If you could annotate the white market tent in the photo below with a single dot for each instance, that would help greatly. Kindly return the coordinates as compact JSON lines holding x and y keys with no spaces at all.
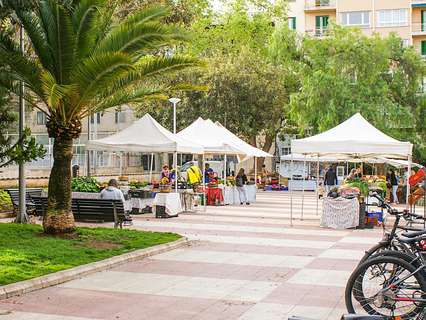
{"x":216,"y":139}
{"x":145,"y":135}
{"x":249,"y":150}
{"x":210,"y":137}
{"x":355,"y":138}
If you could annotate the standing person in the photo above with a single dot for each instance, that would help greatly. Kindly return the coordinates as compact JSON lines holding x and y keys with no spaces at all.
{"x":165,"y":173}
{"x":358,"y":173}
{"x":240,"y":181}
{"x":330,"y":179}
{"x":112,"y":192}
{"x":351,"y":175}
{"x":392,"y":181}
{"x":208,"y":173}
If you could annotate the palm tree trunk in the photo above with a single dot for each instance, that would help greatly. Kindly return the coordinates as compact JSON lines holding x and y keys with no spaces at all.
{"x":59,"y":217}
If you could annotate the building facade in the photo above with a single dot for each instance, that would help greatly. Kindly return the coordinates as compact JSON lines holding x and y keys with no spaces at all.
{"x":407,"y":18}
{"x":99,"y":125}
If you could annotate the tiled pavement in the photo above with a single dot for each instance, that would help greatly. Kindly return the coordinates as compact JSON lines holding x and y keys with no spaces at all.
{"x":247,"y":263}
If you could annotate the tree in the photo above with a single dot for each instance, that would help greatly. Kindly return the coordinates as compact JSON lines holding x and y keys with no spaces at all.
{"x":84,"y":61}
{"x":348,"y":72}
{"x":245,"y":90}
{"x":21,"y":150}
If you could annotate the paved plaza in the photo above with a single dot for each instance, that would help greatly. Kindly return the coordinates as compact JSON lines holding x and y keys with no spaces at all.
{"x":245,"y":263}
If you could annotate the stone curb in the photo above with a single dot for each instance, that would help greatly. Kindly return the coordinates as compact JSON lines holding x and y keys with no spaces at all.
{"x":19,"y":288}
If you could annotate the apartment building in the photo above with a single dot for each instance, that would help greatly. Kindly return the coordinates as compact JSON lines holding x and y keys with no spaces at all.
{"x":99,"y":125}
{"x":407,"y":18}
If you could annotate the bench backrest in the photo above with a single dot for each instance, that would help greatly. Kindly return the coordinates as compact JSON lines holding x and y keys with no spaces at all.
{"x":88,"y":209}
{"x":29,"y":193}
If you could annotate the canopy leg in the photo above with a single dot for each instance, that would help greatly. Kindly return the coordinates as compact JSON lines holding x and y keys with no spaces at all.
{"x":255,"y":172}
{"x":317,"y":188}
{"x":175,"y":159}
{"x":151,"y":165}
{"x":303,"y":186}
{"x":224,"y":172}
{"x":204,"y":185}
{"x":291,"y":190}
{"x":408,"y":182}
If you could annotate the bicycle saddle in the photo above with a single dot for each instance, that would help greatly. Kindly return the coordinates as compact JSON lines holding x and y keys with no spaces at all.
{"x":413,"y":234}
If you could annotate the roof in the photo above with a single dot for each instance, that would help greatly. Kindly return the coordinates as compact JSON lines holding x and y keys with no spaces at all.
{"x":145,"y":135}
{"x":210,"y":137}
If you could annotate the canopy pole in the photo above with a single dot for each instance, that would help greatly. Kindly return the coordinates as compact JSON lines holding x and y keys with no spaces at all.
{"x":204,"y":185}
{"x":175,"y":159}
{"x":255,"y":172}
{"x":224,"y":173}
{"x":317,"y":188}
{"x":291,"y":190}
{"x":408,"y":182}
{"x":150,"y":167}
{"x":303,"y":186}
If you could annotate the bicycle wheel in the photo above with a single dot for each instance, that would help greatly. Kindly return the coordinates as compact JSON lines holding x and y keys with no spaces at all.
{"x":389,"y":287}
{"x":382,"y":246}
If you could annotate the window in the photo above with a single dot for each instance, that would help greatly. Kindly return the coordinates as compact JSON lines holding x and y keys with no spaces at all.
{"x":120,"y":117}
{"x":392,"y":18}
{"x":97,"y":115}
{"x":423,"y":48}
{"x":321,"y":24}
{"x":405,"y":42}
{"x":292,"y":23}
{"x":146,"y":162}
{"x":356,"y":18}
{"x":41,"y":118}
{"x":285,"y":151}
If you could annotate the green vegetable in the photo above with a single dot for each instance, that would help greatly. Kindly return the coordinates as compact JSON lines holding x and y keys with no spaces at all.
{"x":5,"y":201}
{"x":361,"y":185}
{"x":85,"y":184}
{"x":138,"y":184}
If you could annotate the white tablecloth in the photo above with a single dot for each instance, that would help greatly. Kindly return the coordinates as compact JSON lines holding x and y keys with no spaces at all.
{"x":340,"y":213}
{"x":231,"y":196}
{"x":171,"y":201}
{"x":138,"y":203}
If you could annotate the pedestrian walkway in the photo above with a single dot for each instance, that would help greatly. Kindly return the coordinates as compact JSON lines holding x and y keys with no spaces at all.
{"x":246,"y":263}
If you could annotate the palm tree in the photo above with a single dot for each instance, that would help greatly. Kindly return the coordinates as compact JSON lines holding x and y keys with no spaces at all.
{"x":83,"y":61}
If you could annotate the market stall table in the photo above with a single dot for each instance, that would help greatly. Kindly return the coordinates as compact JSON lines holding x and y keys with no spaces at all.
{"x":214,"y":196}
{"x":340,"y":213}
{"x":231,"y":195}
{"x":170,"y":201}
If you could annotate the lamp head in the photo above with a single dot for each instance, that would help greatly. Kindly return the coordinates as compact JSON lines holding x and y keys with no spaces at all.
{"x":174,"y":100}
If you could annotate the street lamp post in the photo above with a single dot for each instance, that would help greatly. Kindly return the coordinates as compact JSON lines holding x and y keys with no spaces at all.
{"x":175,"y":101}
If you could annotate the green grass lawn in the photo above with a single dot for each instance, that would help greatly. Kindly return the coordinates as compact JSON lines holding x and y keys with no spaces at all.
{"x":25,"y":252}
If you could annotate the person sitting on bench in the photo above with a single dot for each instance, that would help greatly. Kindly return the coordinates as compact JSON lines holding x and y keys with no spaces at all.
{"x":112,"y":192}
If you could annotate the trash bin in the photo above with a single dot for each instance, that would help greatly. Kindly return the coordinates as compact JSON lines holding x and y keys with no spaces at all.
{"x":362,"y":208}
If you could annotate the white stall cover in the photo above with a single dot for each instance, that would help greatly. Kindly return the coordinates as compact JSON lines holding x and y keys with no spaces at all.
{"x":211,"y":138}
{"x":145,"y":135}
{"x":249,"y":150}
{"x":355,"y":137}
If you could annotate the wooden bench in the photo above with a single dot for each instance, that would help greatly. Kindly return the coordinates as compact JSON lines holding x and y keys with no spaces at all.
{"x":29,"y":194}
{"x":91,"y":210}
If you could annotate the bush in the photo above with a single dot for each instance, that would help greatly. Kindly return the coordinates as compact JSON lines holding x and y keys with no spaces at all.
{"x":5,"y":201}
{"x":85,"y":184}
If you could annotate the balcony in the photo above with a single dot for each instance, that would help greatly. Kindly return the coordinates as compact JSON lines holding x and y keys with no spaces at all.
{"x":320,"y":5}
{"x":318,"y":32}
{"x":418,"y":3}
{"x":418,"y":29}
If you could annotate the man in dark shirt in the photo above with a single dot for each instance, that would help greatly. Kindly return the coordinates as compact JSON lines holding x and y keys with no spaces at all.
{"x":330,"y":179}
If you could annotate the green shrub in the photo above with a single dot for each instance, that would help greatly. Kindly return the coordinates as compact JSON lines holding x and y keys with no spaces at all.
{"x":85,"y":184}
{"x":5,"y":201}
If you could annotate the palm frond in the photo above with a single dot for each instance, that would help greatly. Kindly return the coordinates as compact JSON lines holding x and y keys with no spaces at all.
{"x":22,"y":68}
{"x":96,"y":73}
{"x":85,"y":21}
{"x":57,"y":24}
{"x":152,"y":13}
{"x":37,"y":36}
{"x":134,"y":39}
{"x":55,"y":93}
